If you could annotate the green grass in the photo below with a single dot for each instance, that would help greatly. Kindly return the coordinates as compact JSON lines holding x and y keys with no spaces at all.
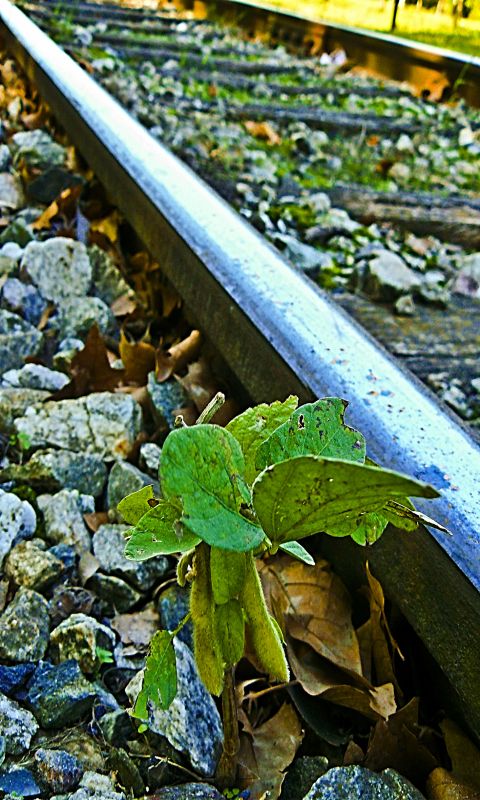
{"x":423,"y":25}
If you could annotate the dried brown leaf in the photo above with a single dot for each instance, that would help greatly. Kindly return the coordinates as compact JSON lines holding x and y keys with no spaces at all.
{"x":401,"y":743}
{"x":382,"y":641}
{"x":108,"y":226}
{"x":138,"y":359}
{"x":314,"y":607}
{"x":94,"y":520}
{"x":442,"y":785}
{"x":264,"y":758}
{"x":177,"y":357}
{"x":263,"y":130}
{"x":124,"y":305}
{"x":138,"y":628}
{"x":88,"y":565}
{"x":464,"y":755}
{"x":90,"y":370}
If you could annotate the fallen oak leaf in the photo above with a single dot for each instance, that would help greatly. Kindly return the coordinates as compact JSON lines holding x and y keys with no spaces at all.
{"x":177,"y":357}
{"x":138,"y":358}
{"x":90,"y":370}
{"x":264,"y":757}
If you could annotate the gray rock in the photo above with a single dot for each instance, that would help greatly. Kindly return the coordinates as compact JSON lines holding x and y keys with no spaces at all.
{"x":67,"y":350}
{"x":11,"y":251}
{"x":192,"y":723}
{"x":19,"y":782}
{"x":467,"y":281}
{"x":103,"y":424}
{"x":302,"y":775}
{"x":78,"y":637}
{"x":59,"y":695}
{"x":29,"y":565}
{"x":18,"y":521}
{"x":3,"y":749}
{"x":76,"y":317}
{"x":18,"y":339}
{"x":116,"y":727}
{"x":18,"y":726}
{"x":11,"y":192}
{"x":305,"y":257}
{"x":59,"y":268}
{"x":118,"y":594}
{"x":5,"y":157}
{"x":34,"y":376}
{"x":320,"y":202}
{"x":24,"y":628}
{"x":404,"y":306}
{"x":108,"y":283}
{"x":94,"y":786}
{"x":149,"y":458}
{"x":23,"y":299}
{"x":52,"y":470}
{"x":63,"y":514}
{"x":60,"y":770}
{"x":124,"y":479}
{"x":14,"y":403}
{"x":173,"y":605}
{"x":354,"y":783}
{"x":166,"y":397}
{"x":400,"y":172}
{"x":108,"y":547}
{"x":387,"y":276}
{"x":37,"y":149}
{"x":189,"y":791}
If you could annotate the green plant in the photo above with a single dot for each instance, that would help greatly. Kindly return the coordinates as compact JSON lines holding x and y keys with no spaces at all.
{"x":274,"y":475}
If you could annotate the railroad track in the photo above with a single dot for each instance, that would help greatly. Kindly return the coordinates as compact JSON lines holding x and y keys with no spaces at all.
{"x":280,"y":334}
{"x":196,"y":76}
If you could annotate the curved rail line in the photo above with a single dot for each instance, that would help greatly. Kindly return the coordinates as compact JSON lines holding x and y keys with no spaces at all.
{"x":281,"y":334}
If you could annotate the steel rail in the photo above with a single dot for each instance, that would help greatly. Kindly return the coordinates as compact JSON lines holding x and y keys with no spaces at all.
{"x":419,"y":64}
{"x":281,"y":334}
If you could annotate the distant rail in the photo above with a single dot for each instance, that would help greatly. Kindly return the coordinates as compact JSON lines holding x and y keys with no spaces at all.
{"x":389,"y":56}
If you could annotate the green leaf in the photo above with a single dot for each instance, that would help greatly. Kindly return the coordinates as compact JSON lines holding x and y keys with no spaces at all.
{"x":202,"y":467}
{"x":135,"y":505}
{"x":296,"y":550}
{"x":407,"y":517}
{"x":160,"y":676}
{"x":230,"y":630}
{"x":315,"y":429}
{"x":255,"y":425}
{"x":370,"y":528}
{"x":227,"y":572}
{"x":306,"y":495}
{"x":159,"y":532}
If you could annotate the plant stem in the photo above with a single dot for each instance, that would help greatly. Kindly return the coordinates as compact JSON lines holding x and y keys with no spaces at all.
{"x":227,"y":767}
{"x":211,"y":409}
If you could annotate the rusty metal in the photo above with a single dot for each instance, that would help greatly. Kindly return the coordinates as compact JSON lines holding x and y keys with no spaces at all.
{"x":281,"y":334}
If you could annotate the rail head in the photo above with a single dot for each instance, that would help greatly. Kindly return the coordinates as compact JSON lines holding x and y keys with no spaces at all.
{"x":280,"y":334}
